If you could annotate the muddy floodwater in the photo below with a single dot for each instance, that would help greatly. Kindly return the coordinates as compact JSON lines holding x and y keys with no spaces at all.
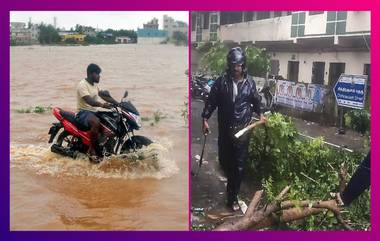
{"x":51,"y":192}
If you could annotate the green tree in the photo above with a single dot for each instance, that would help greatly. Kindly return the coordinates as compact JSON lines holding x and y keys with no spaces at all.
{"x":215,"y":61}
{"x":48,"y":34}
{"x":179,"y":38}
{"x":127,"y":33}
{"x":79,"y":28}
{"x":258,"y":62}
{"x":94,"y":40}
{"x":278,"y":157}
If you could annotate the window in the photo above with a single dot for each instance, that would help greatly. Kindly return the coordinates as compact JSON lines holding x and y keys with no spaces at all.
{"x":198,"y":29}
{"x":193,"y":22}
{"x":277,"y":14}
{"x":315,"y":12}
{"x":293,"y":69}
{"x":274,"y":67}
{"x":336,"y":69}
{"x":248,"y":16}
{"x":230,"y":17}
{"x":206,"y":18}
{"x":318,"y":73}
{"x":298,"y":24}
{"x":223,"y":18}
{"x":214,"y":26}
{"x":236,"y":17}
{"x":214,"y":18}
{"x":262,"y":15}
{"x":336,"y":22}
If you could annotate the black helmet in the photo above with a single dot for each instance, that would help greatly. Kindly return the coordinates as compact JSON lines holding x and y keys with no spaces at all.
{"x":236,"y":56}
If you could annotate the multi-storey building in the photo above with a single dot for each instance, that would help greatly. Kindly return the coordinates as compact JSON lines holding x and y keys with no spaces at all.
{"x":304,"y":46}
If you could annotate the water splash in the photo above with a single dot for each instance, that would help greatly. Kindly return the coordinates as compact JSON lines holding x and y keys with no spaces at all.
{"x":149,"y":162}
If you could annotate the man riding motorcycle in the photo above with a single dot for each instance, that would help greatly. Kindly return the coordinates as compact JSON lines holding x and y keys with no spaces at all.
{"x":88,"y":93}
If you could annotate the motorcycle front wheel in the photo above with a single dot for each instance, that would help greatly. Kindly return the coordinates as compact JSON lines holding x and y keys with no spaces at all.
{"x":135,"y":142}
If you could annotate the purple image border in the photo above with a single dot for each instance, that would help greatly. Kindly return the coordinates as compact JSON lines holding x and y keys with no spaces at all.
{"x":119,"y":5}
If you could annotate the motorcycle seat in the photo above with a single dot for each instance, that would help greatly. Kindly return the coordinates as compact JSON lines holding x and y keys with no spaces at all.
{"x":70,"y":116}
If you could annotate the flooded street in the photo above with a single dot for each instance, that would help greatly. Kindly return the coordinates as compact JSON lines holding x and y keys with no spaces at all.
{"x":50,"y":192}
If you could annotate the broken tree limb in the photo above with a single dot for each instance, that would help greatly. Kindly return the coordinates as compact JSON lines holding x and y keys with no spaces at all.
{"x":280,"y":211}
{"x":251,"y":126}
{"x":342,"y":178}
{"x":255,"y":201}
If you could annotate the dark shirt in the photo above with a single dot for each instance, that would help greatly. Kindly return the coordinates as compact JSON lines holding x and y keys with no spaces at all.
{"x":232,"y":114}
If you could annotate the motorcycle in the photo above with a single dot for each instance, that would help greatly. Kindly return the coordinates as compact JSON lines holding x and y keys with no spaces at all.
{"x":116,"y":131}
{"x":201,"y":86}
{"x":266,"y":95}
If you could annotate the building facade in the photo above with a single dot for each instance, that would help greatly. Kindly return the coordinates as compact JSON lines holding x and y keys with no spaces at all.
{"x":20,"y":33}
{"x":123,"y":40}
{"x":309,"y":47}
{"x":150,"y":34}
{"x":152,"y":24}
{"x":171,"y":26}
{"x":75,"y":37}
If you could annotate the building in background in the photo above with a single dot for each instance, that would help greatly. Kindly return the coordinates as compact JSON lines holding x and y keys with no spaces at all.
{"x":63,"y":33}
{"x":20,"y":33}
{"x":171,"y":26}
{"x":89,"y":31}
{"x":150,"y":34}
{"x":79,"y":38}
{"x":305,"y":46}
{"x":152,"y":24}
{"x":123,"y":40}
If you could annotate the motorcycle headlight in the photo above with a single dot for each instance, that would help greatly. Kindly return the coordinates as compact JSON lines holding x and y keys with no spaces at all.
{"x":138,"y":121}
{"x":137,"y":118}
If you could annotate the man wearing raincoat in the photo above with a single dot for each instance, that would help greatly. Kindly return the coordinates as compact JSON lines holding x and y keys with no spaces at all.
{"x":236,"y":97}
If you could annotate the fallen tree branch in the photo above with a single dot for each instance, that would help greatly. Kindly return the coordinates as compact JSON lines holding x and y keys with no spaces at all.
{"x":280,"y":212}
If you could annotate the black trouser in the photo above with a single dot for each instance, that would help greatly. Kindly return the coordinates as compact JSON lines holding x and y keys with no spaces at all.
{"x":232,"y":155}
{"x":358,"y":183}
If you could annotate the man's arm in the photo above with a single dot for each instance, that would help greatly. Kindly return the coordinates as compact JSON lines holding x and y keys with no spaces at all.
{"x":212,"y":100}
{"x":210,"y":105}
{"x":105,"y":95}
{"x":91,"y":101}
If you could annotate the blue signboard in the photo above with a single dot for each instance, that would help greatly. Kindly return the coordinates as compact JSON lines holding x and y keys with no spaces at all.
{"x":350,"y":91}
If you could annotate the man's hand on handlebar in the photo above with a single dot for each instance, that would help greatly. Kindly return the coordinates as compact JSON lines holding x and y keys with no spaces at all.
{"x":107,"y":105}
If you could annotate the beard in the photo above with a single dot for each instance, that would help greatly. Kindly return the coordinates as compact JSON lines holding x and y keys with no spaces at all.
{"x":95,"y":80}
{"x":237,"y":74}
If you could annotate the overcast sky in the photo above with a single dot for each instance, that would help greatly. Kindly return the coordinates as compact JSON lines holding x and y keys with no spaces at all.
{"x":102,"y":20}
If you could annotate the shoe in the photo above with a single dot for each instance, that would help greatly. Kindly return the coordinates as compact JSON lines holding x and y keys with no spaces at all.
{"x":234,"y":205}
